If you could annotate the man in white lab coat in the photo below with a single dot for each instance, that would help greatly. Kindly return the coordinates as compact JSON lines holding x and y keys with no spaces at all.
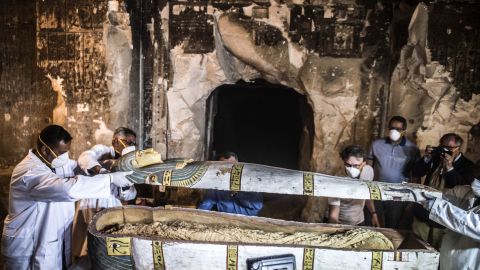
{"x":98,"y":160}
{"x":37,"y":230}
{"x":460,"y":247}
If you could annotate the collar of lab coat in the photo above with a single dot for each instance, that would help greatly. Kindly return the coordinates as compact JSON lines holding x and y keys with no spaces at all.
{"x":36,"y":159}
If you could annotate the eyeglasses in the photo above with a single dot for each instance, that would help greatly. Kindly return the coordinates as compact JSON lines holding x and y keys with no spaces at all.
{"x":352,"y":165}
{"x":450,"y":147}
{"x":127,"y":142}
{"x":397,"y":129}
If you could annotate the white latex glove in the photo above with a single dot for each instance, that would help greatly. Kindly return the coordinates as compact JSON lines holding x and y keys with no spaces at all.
{"x":119,"y":179}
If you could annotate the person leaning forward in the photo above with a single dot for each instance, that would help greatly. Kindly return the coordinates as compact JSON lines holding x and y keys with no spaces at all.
{"x":99,"y":160}
{"x":36,"y":233}
{"x":350,"y":211}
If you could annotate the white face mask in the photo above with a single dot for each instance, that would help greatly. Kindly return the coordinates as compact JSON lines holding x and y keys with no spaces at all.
{"x":394,"y":135}
{"x":61,"y":160}
{"x":128,"y":149}
{"x":352,"y":172}
{"x":476,"y":187}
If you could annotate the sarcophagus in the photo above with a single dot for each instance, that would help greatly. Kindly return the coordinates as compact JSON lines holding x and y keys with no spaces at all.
{"x":260,"y":178}
{"x":156,"y":238}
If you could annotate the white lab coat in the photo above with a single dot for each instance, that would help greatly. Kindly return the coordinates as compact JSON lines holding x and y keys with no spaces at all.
{"x":461,"y":243}
{"x":90,"y":159}
{"x":87,"y":208}
{"x":37,"y":230}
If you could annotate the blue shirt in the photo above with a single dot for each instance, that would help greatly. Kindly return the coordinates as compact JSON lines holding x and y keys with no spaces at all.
{"x":393,"y":162}
{"x":244,"y":203}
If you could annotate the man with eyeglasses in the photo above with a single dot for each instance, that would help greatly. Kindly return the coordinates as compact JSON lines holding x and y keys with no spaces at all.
{"x":99,"y":160}
{"x":444,"y":167}
{"x":393,"y":158}
{"x":43,"y":190}
{"x":350,"y":211}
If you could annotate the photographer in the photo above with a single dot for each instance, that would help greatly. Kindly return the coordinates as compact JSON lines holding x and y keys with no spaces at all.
{"x":444,"y":167}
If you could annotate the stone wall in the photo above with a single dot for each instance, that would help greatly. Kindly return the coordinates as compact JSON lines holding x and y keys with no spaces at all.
{"x":78,"y":63}
{"x":325,"y":52}
{"x":64,"y":62}
{"x":428,"y":90}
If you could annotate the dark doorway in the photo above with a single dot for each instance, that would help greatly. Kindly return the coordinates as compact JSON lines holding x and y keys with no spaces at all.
{"x":259,"y":121}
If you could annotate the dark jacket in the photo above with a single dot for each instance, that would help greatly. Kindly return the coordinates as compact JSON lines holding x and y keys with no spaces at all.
{"x":462,"y":174}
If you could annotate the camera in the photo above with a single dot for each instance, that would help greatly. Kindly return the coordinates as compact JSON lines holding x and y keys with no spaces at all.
{"x":440,"y":151}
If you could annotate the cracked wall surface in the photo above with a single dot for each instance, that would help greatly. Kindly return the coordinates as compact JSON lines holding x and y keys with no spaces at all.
{"x":424,"y":91}
{"x":278,"y":48}
{"x":56,"y":68}
{"x":72,"y":64}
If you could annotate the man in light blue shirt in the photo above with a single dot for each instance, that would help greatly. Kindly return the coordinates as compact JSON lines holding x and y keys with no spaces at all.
{"x":393,"y":158}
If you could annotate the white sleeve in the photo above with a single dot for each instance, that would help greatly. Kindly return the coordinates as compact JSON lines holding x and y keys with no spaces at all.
{"x":90,"y":158}
{"x":333,"y":201}
{"x":456,"y":219}
{"x":47,"y":186}
{"x":367,"y":173}
{"x":127,"y":195}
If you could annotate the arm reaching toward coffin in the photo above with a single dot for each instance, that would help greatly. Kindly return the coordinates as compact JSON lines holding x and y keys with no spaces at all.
{"x":89,"y":160}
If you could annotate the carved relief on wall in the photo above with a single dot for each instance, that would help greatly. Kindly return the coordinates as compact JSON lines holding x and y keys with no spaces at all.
{"x":330,"y":30}
{"x":453,"y":42}
{"x":70,"y":49}
{"x":191,"y":25}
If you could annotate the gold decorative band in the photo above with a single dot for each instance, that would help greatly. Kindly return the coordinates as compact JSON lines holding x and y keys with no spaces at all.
{"x":158,"y":260}
{"x":308,"y":258}
{"x":375,"y":193}
{"x":118,"y":246}
{"x":167,"y":178}
{"x":397,"y":256}
{"x":236,"y":177}
{"x":307,"y":184}
{"x":377,"y":260}
{"x":232,"y":257}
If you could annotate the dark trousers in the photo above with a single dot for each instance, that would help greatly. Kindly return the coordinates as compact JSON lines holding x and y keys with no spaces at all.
{"x":392,"y":213}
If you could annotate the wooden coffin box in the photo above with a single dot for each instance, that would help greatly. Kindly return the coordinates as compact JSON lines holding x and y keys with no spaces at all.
{"x":117,"y":251}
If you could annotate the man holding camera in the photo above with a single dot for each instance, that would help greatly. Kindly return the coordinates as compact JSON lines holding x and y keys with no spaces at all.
{"x":444,"y":167}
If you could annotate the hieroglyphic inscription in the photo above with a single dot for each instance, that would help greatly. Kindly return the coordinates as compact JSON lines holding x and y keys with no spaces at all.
{"x":232,"y":257}
{"x":307,"y":184}
{"x":236,"y":177}
{"x":375,"y":193}
{"x":118,"y":246}
{"x":377,"y":259}
{"x":167,"y":178}
{"x":158,"y":260}
{"x":308,"y":258}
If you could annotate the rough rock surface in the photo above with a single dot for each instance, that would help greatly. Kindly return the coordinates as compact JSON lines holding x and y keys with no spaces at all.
{"x":424,"y":92}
